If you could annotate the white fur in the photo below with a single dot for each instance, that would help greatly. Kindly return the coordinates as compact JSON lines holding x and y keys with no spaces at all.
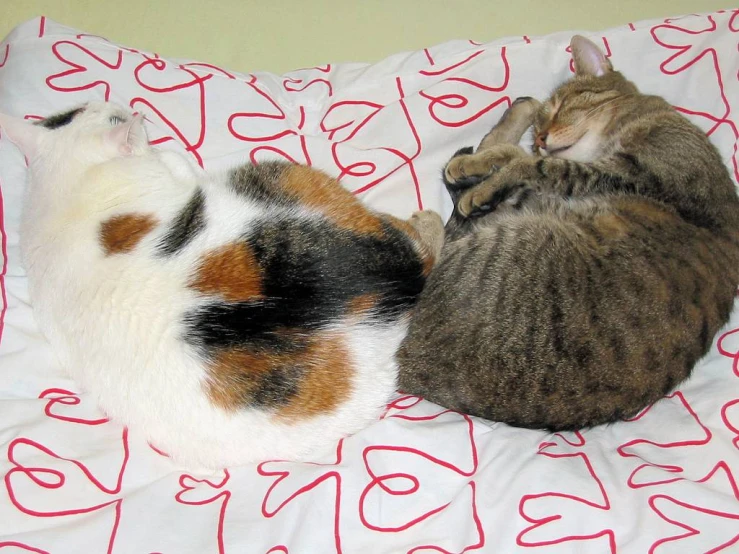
{"x":586,"y":149}
{"x":115,"y":321}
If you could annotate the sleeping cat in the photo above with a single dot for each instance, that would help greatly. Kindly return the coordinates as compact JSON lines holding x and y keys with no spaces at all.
{"x":580,"y":284}
{"x":229,"y":318}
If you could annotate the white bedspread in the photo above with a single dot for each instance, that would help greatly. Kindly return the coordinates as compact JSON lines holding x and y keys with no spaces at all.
{"x":422,"y":479}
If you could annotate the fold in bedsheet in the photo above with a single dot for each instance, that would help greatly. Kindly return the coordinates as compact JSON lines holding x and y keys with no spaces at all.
{"x":421,"y":479}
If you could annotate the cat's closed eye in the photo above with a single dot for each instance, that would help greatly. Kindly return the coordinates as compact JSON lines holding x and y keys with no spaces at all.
{"x":115,"y":120}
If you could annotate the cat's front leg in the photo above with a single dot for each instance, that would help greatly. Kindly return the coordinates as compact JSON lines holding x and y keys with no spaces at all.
{"x":506,"y":185}
{"x":534,"y":175}
{"x":467,"y":167}
{"x":474,"y":168}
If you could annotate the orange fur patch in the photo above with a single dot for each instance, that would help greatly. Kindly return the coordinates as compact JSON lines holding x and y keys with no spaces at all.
{"x":327,"y":382}
{"x":236,"y":375}
{"x":232,"y":271}
{"x":317,"y":190}
{"x":361,"y":304}
{"x":121,"y":233}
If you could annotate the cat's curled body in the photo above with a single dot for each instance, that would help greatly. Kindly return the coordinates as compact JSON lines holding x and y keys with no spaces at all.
{"x":579,"y":285}
{"x":229,"y":318}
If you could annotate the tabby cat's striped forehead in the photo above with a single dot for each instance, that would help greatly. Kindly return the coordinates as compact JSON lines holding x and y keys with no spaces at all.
{"x":589,"y":88}
{"x":581,"y":95}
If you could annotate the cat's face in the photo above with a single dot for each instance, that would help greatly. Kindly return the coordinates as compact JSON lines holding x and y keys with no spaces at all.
{"x":105,"y":130}
{"x":84,"y":136}
{"x":571,"y":123}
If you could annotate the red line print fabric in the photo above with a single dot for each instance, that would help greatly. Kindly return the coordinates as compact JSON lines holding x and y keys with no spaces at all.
{"x":421,"y":479}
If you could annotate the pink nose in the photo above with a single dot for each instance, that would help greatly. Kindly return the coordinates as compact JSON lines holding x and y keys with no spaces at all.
{"x":541,"y":140}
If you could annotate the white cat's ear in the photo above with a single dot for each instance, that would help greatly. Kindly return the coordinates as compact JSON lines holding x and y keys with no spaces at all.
{"x":130,"y":136}
{"x":25,"y":135}
{"x":589,"y":60}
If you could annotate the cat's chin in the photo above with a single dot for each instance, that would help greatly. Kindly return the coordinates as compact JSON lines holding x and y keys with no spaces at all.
{"x":585,"y":150}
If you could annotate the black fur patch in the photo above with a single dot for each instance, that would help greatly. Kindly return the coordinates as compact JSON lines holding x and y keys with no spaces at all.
{"x":260,"y":183}
{"x":310,"y":272}
{"x":278,"y":386}
{"x":61,"y":119}
{"x":188,"y":223}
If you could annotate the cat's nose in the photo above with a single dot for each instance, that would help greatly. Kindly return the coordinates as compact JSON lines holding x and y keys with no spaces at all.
{"x":541,"y":140}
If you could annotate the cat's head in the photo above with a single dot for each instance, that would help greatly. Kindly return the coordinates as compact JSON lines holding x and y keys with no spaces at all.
{"x":88,"y":135}
{"x":571,"y":123}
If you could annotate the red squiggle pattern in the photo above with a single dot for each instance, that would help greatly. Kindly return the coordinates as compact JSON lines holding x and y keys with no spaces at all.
{"x":54,"y":479}
{"x":687,"y":54}
{"x":189,"y":483}
{"x":282,"y":475}
{"x":571,"y":501}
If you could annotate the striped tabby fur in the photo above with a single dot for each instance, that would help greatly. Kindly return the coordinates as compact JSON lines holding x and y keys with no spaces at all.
{"x":580,"y":284}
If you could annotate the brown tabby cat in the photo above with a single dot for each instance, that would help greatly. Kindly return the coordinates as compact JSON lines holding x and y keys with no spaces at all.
{"x":578,"y":285}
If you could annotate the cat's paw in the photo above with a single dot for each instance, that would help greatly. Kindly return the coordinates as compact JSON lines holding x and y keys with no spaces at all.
{"x":453,"y":177}
{"x":525,"y":107}
{"x":507,"y":188}
{"x":468,"y":170}
{"x":430,"y":227}
{"x":477,"y":201}
{"x":465,"y":171}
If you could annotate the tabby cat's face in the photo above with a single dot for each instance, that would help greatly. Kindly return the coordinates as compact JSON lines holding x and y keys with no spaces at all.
{"x":572,"y":123}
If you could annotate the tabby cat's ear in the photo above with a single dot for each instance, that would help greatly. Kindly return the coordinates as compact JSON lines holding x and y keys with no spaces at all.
{"x":129,"y":137}
{"x":23,"y":134}
{"x":589,"y":60}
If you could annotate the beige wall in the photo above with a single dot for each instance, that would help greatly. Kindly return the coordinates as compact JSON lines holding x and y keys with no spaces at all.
{"x":279,"y":35}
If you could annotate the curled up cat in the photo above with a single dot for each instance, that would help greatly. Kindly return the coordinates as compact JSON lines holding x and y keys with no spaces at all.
{"x":579,"y":284}
{"x":228,"y":318}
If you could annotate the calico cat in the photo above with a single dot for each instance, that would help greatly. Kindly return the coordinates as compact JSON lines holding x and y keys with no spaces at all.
{"x":229,"y":318}
{"x":580,"y":284}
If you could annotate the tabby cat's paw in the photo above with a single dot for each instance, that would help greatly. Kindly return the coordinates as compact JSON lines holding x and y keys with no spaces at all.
{"x":464,"y":171}
{"x":430,"y":227}
{"x":471,"y":169}
{"x":454,"y":180}
{"x":502,"y":189}
{"x":527,"y":106}
{"x":478,"y":201}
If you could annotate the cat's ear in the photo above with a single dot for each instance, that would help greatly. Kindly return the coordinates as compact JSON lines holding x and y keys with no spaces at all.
{"x":23,"y":134}
{"x":589,"y":60}
{"x":129,"y":137}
